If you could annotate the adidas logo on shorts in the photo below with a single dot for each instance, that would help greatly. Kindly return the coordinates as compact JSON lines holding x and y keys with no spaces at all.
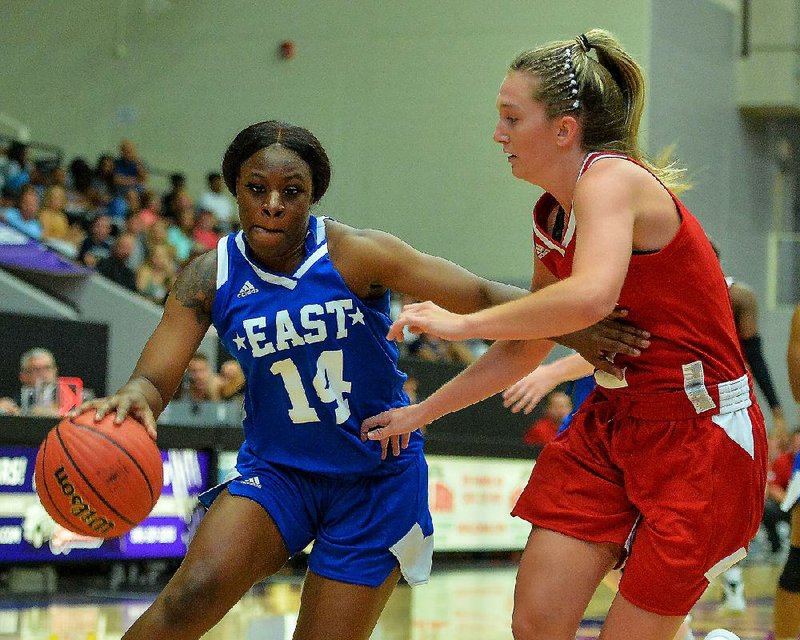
{"x":253,"y":482}
{"x":246,"y":290}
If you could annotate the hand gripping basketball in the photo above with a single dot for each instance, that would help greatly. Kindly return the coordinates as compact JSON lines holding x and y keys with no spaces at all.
{"x":98,"y":478}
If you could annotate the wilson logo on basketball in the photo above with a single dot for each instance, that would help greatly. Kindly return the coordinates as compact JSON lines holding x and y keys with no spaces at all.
{"x":80,"y":508}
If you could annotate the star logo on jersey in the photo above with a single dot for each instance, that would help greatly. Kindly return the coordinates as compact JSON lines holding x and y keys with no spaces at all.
{"x":357,"y":317}
{"x":239,"y":340}
{"x":246,"y":290}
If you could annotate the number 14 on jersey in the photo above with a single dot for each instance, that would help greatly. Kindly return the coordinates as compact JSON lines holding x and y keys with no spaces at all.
{"x":329,"y":384}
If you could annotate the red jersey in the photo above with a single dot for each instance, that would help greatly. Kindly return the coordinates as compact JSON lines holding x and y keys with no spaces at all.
{"x":780,"y":471}
{"x":678,"y":294}
{"x":541,"y":432}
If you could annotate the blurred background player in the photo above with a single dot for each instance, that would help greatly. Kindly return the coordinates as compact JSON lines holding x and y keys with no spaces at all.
{"x":543,"y":430}
{"x":786,"y":611}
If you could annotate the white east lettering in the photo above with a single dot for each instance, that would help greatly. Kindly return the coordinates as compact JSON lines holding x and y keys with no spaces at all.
{"x":256,"y":337}
{"x":339,"y":307}
{"x":312,"y":319}
{"x":313,"y":324}
{"x":285,"y":332}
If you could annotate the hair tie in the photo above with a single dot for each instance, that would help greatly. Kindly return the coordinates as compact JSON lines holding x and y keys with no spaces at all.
{"x":583,"y":41}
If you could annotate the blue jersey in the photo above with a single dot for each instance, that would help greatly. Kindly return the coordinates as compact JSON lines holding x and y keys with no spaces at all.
{"x":578,"y":390}
{"x":792,"y":496}
{"x":316,"y":360}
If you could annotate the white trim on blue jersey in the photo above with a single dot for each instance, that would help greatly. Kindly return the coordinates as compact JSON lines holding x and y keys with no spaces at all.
{"x":289,"y":282}
{"x":222,"y":261}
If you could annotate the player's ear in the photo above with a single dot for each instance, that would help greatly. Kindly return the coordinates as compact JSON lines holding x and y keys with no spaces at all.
{"x":567,"y":130}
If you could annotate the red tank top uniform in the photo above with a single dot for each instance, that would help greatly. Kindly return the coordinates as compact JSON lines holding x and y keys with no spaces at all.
{"x":671,"y":462}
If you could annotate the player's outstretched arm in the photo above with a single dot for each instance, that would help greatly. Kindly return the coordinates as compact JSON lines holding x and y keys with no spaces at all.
{"x":375,"y":260}
{"x":186,"y":318}
{"x":503,"y":364}
{"x":526,"y":393}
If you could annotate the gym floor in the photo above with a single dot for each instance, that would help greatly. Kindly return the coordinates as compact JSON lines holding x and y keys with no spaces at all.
{"x":463,"y":602}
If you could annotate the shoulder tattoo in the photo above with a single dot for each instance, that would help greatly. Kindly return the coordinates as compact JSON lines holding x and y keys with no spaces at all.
{"x":196,"y":286}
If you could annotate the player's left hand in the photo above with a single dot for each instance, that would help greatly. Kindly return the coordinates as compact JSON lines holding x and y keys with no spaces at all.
{"x":427,"y":317}
{"x":395,"y":426}
{"x":526,"y":393}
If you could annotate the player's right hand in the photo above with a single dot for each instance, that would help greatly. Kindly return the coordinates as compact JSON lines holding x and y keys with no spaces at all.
{"x":387,"y":426}
{"x":125,"y":402}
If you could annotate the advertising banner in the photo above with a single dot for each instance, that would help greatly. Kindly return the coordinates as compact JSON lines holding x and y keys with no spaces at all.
{"x":29,"y":534}
{"x":471,"y":500}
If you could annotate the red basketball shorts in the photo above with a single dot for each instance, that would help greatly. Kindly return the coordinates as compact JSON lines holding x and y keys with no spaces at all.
{"x":684,"y":495}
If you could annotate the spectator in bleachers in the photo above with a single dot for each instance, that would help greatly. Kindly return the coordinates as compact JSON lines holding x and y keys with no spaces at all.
{"x":17,"y":171}
{"x":79,"y":183}
{"x":115,"y":266}
{"x":25,"y":216}
{"x":199,"y":382}
{"x":136,"y":227}
{"x":38,"y":377}
{"x":180,"y":235}
{"x":156,"y":276}
{"x":204,"y":232}
{"x":133,"y":202}
{"x":151,"y":208}
{"x":102,"y":188}
{"x":217,"y":201}
{"x":157,"y":235}
{"x":121,"y":206}
{"x":56,"y":229}
{"x":54,"y":174}
{"x":230,"y":381}
{"x":168,"y":210}
{"x":7,"y":201}
{"x":129,"y":170}
{"x":96,"y":245}
{"x":40,"y":176}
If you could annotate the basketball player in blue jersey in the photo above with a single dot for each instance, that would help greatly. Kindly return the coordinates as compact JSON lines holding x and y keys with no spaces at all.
{"x":303,"y":304}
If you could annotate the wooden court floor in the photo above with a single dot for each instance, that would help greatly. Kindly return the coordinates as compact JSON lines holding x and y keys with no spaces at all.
{"x":457,"y":604}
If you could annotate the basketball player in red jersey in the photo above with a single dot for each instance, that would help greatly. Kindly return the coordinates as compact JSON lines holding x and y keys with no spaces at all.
{"x":663,"y":469}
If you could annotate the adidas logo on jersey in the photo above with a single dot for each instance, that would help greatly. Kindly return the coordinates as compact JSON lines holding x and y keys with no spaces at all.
{"x":253,"y":482}
{"x":541,"y":251}
{"x":246,"y":290}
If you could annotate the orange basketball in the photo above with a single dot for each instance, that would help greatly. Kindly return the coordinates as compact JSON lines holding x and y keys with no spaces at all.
{"x":97,"y":478}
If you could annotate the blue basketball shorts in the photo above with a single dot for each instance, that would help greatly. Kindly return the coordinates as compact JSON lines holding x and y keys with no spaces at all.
{"x":362,"y":527}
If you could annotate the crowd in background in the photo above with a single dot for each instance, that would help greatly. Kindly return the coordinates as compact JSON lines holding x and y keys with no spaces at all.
{"x":108,"y":217}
